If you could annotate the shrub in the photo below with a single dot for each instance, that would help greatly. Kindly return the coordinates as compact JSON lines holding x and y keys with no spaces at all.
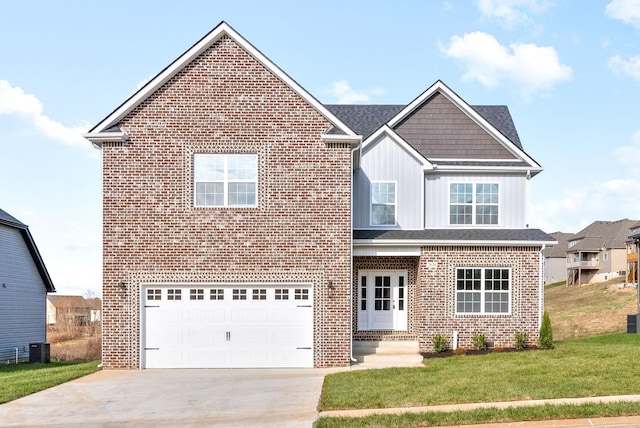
{"x":545,"y":341}
{"x":479,"y":341}
{"x":521,"y":340}
{"x":439,"y":343}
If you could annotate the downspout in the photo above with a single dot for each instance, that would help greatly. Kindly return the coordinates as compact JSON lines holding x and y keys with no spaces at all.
{"x":351,"y":294}
{"x":541,"y":287}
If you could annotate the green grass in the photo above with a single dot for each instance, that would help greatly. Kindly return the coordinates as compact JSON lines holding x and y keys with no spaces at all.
{"x":587,"y":367}
{"x":19,"y":380}
{"x":555,"y":284}
{"x":484,"y":416}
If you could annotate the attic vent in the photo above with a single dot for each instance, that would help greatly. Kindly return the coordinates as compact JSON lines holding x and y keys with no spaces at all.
{"x":338,"y":145}
{"x":113,"y":144}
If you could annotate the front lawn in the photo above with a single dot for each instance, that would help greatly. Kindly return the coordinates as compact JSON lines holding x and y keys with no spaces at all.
{"x":19,"y":380}
{"x":587,"y":367}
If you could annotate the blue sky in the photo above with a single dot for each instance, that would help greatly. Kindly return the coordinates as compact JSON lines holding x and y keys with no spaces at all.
{"x":569,"y":72}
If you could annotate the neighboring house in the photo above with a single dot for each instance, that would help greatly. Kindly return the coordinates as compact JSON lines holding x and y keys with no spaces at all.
{"x":632,"y":254}
{"x":95,"y":305}
{"x":555,"y":258}
{"x":248,"y":225}
{"x":71,"y":310}
{"x":24,"y":283}
{"x":598,"y":252}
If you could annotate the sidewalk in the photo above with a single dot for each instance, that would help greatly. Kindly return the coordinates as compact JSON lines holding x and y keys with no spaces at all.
{"x":600,"y":422}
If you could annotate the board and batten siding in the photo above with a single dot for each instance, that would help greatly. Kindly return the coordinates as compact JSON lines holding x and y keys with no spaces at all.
{"x":385,"y":160}
{"x":23,"y":297}
{"x":513,"y":199}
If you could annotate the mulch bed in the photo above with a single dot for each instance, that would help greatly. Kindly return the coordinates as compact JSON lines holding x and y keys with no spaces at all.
{"x":451,"y":353}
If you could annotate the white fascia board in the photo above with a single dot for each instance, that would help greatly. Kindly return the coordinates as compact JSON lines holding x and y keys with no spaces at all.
{"x":388,"y":251}
{"x":492,"y":168}
{"x":444,"y":242}
{"x":223,"y":29}
{"x":385,"y":130}
{"x":439,"y":86}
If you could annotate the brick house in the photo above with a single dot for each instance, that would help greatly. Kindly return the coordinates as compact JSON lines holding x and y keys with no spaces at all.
{"x":248,"y":225}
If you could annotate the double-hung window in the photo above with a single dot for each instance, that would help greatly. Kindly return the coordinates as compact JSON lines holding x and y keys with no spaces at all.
{"x":474,"y":203}
{"x":383,"y":204}
{"x":225,"y":180}
{"x":482,"y":290}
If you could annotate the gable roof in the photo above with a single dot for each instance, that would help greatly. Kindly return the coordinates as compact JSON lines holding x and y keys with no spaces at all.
{"x":602,"y":234}
{"x":69,"y":302}
{"x":559,"y":250}
{"x":495,"y":121}
{"x":10,"y":221}
{"x":106,"y":130}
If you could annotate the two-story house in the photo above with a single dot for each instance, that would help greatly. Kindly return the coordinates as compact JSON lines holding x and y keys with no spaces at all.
{"x":598,"y":252}
{"x":246,"y":224}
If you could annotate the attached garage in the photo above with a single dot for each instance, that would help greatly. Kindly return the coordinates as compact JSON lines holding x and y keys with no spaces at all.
{"x":227,"y":326}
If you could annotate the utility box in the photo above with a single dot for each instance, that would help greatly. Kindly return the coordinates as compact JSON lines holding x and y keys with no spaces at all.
{"x":39,"y":353}
{"x":632,"y":323}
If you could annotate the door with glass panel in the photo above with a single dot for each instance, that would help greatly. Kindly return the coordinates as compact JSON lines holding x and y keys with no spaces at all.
{"x":382,"y":300}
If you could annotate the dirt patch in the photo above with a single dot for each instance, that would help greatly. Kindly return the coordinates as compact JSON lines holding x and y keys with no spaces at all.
{"x":451,"y":353}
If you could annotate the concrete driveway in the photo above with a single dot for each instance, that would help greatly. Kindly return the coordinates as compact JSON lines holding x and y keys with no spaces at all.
{"x":169,"y":398}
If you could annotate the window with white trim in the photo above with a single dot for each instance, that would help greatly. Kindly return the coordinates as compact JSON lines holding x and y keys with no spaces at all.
{"x":483,"y":290}
{"x":474,"y":203}
{"x":383,"y":204}
{"x":225,"y":180}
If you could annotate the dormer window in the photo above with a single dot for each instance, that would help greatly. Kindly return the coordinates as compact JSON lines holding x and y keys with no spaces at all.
{"x":474,"y":203}
{"x":383,"y":203}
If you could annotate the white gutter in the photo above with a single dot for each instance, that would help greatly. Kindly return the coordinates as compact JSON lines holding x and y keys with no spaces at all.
{"x":99,"y":138}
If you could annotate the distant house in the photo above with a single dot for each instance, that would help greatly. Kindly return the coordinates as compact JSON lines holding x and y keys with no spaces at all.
{"x":598,"y":252}
{"x":555,"y":258}
{"x":72,"y":310}
{"x":24,"y":284}
{"x":632,"y":254}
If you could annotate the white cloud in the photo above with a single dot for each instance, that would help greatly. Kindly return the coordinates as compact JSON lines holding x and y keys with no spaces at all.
{"x":344,"y":94}
{"x":629,"y":154}
{"x":625,"y":10}
{"x":511,"y":12}
{"x":14,"y":101}
{"x":630,"y":67}
{"x":533,"y":69}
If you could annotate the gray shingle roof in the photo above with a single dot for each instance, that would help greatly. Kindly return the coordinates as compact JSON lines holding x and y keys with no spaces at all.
{"x":462,"y":235}
{"x":366,"y":119}
{"x":560,"y":250}
{"x":603,"y":234}
{"x":8,"y":219}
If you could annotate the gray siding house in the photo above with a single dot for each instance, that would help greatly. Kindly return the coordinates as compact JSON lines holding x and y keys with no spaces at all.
{"x":555,"y":258}
{"x":24,"y":283}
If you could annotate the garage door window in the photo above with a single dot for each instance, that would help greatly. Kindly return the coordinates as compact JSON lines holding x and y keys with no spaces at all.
{"x":260,"y":294}
{"x":282,"y":294}
{"x":239,"y":294}
{"x":216,"y":294}
{"x":174,"y":294}
{"x":301,"y":294}
{"x":154,"y":294}
{"x":196,"y":294}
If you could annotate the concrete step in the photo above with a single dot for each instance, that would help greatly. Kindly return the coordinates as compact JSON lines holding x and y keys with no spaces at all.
{"x":369,"y":347}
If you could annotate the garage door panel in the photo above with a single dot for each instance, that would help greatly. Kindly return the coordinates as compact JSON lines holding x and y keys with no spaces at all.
{"x":218,"y":326}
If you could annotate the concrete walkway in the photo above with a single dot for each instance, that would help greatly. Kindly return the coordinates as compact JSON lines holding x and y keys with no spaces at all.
{"x":625,"y":421}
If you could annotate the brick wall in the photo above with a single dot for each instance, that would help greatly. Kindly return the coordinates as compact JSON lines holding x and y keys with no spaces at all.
{"x":225,"y":102}
{"x":431,"y":295}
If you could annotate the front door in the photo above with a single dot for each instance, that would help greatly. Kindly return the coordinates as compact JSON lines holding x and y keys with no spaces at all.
{"x":382,"y":300}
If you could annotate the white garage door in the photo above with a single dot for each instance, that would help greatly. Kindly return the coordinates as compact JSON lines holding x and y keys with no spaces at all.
{"x":195,"y":326}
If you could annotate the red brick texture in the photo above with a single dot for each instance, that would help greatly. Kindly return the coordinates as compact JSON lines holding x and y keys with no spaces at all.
{"x":431,"y":295}
{"x":300,"y":231}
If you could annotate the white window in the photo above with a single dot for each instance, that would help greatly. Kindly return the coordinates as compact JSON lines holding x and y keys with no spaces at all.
{"x":383,"y":204}
{"x":225,"y":180}
{"x":483,"y":290}
{"x":605,"y":257}
{"x":474,"y":203}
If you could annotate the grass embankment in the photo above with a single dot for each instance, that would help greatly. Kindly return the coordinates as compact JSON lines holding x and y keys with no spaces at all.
{"x":589,"y":310}
{"x":19,"y":380}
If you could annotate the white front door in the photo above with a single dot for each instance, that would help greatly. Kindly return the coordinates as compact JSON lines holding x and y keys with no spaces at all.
{"x":382,"y":300}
